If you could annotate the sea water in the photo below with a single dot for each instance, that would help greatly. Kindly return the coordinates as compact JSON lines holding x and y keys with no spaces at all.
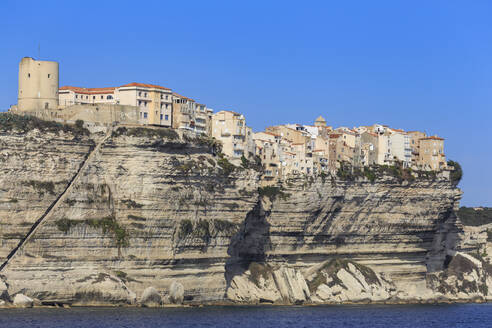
{"x":366,"y":316}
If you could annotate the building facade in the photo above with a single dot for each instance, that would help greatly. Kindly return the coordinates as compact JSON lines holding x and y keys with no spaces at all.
{"x":230,"y":129}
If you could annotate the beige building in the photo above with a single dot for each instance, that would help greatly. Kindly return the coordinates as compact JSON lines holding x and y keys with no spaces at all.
{"x":268,"y":149}
{"x":369,"y":150}
{"x":190,"y":115}
{"x":230,"y":128}
{"x":38,"y":86}
{"x":154,"y":102}
{"x":415,"y":137}
{"x":290,"y":134}
{"x":431,"y":156}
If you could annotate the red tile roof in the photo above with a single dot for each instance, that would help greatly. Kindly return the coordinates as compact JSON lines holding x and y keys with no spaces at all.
{"x":180,"y":96}
{"x":432,"y":138}
{"x":144,"y":85}
{"x":271,"y":133}
{"x":89,"y":91}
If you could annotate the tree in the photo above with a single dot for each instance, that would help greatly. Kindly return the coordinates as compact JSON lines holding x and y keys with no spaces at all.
{"x":457,"y":173}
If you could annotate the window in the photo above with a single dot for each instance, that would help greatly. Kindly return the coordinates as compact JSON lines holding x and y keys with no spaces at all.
{"x":140,"y":114}
{"x":102,"y":97}
{"x":109,"y":97}
{"x":93,"y":97}
{"x":145,"y":114}
{"x":76,"y":96}
{"x":166,"y":117}
{"x":167,"y":97}
{"x":145,"y":94}
{"x":139,"y":102}
{"x":49,"y":75}
{"x":139,"y":93}
{"x":28,"y":74}
{"x":161,"y":117}
{"x":86,"y":97}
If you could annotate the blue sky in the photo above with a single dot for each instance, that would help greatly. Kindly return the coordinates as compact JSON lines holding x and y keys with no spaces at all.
{"x":416,"y":65}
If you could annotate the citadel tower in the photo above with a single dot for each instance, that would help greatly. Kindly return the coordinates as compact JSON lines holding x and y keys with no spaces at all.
{"x":38,"y":85}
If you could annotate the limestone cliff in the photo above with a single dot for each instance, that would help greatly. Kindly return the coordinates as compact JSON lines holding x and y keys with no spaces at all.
{"x":98,"y":219}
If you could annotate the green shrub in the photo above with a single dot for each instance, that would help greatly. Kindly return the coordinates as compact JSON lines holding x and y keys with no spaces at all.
{"x":227,"y":167}
{"x":272,"y":192}
{"x":12,"y":122}
{"x":225,"y":226}
{"x":108,"y":224}
{"x":185,"y":228}
{"x":120,"y":274}
{"x":457,"y":173}
{"x":344,"y":172}
{"x":166,"y":133}
{"x":41,"y":186}
{"x":65,"y":224}
{"x":202,"y":229}
{"x":79,"y":124}
{"x":369,"y":174}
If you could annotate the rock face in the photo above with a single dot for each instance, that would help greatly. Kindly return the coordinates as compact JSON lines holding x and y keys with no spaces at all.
{"x":4,"y":293}
{"x":102,"y":288}
{"x":143,"y":207}
{"x":151,"y":297}
{"x":21,"y":300}
{"x":176,"y":293}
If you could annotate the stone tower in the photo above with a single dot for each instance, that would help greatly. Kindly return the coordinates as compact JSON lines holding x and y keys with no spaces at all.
{"x":38,"y":85}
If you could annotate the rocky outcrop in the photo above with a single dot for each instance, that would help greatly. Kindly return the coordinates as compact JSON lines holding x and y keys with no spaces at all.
{"x":151,"y":298}
{"x":176,"y":293}
{"x":102,"y":288}
{"x":150,"y":207}
{"x":21,"y":300}
{"x":4,"y":293}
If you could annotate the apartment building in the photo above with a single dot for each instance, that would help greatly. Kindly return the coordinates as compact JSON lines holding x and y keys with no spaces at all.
{"x":415,"y":137}
{"x":294,"y":135}
{"x":154,"y":102}
{"x":69,"y":96}
{"x":431,"y":156}
{"x":400,"y":146}
{"x":230,"y":128}
{"x":269,"y":150}
{"x":369,"y":150}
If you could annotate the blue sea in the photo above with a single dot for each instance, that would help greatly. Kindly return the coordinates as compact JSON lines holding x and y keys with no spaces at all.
{"x":366,"y":316}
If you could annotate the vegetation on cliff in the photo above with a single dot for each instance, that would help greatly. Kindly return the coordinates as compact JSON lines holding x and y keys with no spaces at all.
{"x":470,"y":216}
{"x":272,"y":192}
{"x":166,"y":133}
{"x":108,"y":224}
{"x":11,"y":122}
{"x":456,"y":173}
